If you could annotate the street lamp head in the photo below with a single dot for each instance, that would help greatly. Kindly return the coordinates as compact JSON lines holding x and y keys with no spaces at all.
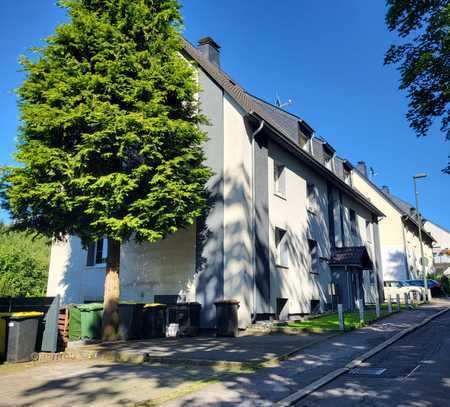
{"x":420,"y":175}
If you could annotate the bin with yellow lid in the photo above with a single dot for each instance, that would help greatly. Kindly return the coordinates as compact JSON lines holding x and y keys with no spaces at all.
{"x":21,"y":330}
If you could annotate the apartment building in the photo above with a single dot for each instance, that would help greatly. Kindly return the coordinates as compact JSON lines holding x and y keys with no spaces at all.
{"x":286,"y":234}
{"x":398,"y":231}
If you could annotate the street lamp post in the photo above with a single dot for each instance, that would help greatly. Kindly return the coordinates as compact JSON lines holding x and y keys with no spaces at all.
{"x":419,"y":221}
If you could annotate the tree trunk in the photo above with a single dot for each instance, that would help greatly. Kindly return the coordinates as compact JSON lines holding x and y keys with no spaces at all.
{"x":110,"y":328}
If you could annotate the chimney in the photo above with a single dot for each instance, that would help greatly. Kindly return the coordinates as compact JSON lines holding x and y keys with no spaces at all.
{"x":362,"y":167}
{"x":385,"y":189}
{"x":210,"y":50}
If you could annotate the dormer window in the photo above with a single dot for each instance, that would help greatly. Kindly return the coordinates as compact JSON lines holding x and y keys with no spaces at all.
{"x":328,"y":156}
{"x":303,"y":141}
{"x":347,"y":173}
{"x":347,"y":177}
{"x":304,"y":136}
{"x":328,"y":161}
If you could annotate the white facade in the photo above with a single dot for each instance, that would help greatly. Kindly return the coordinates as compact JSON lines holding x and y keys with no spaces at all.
{"x":391,"y":229}
{"x":70,"y":277}
{"x":294,"y":281}
{"x":399,"y":239}
{"x":220,"y":256}
{"x":441,"y":248}
{"x":414,"y":253}
{"x":238,"y":247}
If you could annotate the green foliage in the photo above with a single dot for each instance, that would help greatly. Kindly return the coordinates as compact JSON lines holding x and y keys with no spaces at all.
{"x":442,"y":279}
{"x":109,"y":139}
{"x":330,"y":322}
{"x":423,"y":59}
{"x":23,"y":264}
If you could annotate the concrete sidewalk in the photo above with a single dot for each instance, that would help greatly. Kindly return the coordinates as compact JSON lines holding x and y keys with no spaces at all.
{"x":204,"y":350}
{"x":269,"y":385}
{"x":95,"y":383}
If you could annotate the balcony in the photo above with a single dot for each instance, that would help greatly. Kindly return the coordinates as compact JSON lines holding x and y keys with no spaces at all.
{"x":441,"y":259}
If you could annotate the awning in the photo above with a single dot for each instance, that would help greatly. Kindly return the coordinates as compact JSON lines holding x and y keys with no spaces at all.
{"x":354,"y":256}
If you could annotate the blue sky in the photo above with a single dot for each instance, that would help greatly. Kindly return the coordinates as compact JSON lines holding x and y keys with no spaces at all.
{"x":325,"y":56}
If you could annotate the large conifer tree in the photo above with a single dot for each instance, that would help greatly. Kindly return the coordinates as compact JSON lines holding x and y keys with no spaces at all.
{"x":109,"y":141}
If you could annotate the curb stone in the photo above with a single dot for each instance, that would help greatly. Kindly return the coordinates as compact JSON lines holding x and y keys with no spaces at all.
{"x":298,"y":395}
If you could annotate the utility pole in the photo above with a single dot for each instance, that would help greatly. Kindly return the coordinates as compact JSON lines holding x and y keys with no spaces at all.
{"x":419,"y":220}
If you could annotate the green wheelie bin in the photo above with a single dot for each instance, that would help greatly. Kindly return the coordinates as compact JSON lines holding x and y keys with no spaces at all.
{"x":91,"y":320}
{"x":74,"y":323}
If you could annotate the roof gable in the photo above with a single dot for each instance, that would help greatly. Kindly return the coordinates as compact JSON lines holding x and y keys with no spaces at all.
{"x":277,"y":120}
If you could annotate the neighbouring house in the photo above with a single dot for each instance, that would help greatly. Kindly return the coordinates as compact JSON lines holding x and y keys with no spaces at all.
{"x":398,"y":230}
{"x":286,"y":234}
{"x":441,"y":247}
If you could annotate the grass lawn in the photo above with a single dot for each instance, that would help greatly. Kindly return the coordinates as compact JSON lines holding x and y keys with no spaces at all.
{"x":330,"y":322}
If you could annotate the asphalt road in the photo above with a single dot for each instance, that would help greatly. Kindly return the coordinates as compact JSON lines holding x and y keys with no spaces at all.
{"x":417,"y":374}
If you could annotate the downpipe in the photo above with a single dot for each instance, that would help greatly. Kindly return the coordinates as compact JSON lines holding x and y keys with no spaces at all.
{"x":254,"y":134}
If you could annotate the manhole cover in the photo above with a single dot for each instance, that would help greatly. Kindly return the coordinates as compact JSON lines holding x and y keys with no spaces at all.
{"x":367,"y":371}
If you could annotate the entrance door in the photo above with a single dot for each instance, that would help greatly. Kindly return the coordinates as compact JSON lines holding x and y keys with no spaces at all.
{"x":357,"y":288}
{"x":343,"y":281}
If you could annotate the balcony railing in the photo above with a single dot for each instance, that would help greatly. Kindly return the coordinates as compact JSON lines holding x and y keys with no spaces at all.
{"x":442,"y":259}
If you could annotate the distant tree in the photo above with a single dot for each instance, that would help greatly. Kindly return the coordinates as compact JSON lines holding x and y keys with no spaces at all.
{"x":109,"y":140}
{"x":23,"y":263}
{"x":424,"y":60}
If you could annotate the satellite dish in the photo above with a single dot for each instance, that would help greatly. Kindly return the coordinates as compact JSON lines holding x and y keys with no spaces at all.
{"x":280,"y":104}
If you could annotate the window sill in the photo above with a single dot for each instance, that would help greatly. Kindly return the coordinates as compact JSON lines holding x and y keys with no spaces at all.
{"x":96,"y":266}
{"x":281,"y":196}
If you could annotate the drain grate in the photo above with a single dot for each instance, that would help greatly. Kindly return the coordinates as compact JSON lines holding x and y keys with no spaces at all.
{"x":367,"y":371}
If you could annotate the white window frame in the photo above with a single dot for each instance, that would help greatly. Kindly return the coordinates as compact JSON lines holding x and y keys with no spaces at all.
{"x":279,"y":179}
{"x":313,"y":248}
{"x":303,"y":146}
{"x":353,"y":225}
{"x":330,"y":162}
{"x":347,"y":176}
{"x":369,"y":232}
{"x":282,"y":253}
{"x":312,"y":198}
{"x":102,"y":263}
